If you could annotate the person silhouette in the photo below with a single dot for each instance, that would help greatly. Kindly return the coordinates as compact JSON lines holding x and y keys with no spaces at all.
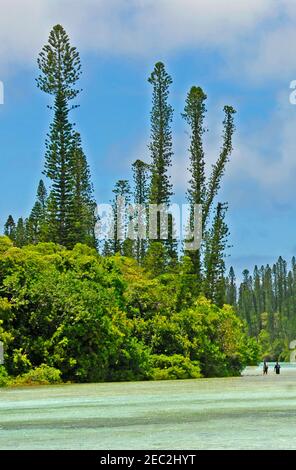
{"x":277,"y":368}
{"x":265,"y":368}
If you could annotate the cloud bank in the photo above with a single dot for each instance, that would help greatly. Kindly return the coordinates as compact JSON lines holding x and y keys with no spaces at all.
{"x":140,"y":27}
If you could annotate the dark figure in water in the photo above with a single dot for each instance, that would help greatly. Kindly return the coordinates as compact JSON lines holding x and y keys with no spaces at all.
{"x":265,"y":368}
{"x":277,"y":368}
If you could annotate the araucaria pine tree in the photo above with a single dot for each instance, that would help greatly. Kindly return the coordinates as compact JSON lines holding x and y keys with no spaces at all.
{"x":82,"y":205}
{"x":10,"y":228}
{"x":218,"y":169}
{"x":161,"y":150}
{"x":120,"y":242}
{"x":245,"y":303}
{"x":60,"y":67}
{"x":36,"y":223}
{"x":202,"y":191}
{"x":20,"y":233}
{"x":194,"y":113}
{"x":216,"y":242}
{"x":231,"y":291}
{"x":140,"y":173}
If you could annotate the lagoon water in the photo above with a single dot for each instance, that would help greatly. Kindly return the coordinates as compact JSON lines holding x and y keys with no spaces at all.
{"x":248,"y":412}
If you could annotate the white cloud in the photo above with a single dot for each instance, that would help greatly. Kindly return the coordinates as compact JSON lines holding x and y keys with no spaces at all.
{"x":255,"y":38}
{"x":267,"y":158}
{"x":274,"y":57}
{"x":138,"y":27}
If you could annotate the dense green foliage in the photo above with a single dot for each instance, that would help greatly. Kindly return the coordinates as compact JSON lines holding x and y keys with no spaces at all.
{"x":96,"y":319}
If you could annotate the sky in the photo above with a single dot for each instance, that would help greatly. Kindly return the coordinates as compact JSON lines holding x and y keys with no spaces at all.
{"x":240,"y":52}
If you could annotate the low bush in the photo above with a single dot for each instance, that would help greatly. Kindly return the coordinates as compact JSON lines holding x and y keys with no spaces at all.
{"x":42,"y":375}
{"x":4,"y":378}
{"x":174,"y":367}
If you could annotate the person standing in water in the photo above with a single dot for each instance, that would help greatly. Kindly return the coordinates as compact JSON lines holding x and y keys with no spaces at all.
{"x":277,"y":368}
{"x":265,"y":368}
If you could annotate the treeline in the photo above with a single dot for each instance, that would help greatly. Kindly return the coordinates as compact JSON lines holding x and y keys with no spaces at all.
{"x":266,"y":300}
{"x":65,"y":212}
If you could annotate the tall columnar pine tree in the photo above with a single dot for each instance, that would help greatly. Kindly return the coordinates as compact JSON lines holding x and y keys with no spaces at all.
{"x":231,"y":291}
{"x":140,"y":174}
{"x":245,"y":302}
{"x":20,"y":233}
{"x":194,"y":113}
{"x":216,"y":243}
{"x":36,"y":223}
{"x":60,"y":68}
{"x":268,"y":298}
{"x":120,"y":243}
{"x":201,"y":191}
{"x":82,"y":204}
{"x":161,"y":152}
{"x":42,"y":195}
{"x":218,"y":168}
{"x":280,"y":283}
{"x":257,"y":298}
{"x":10,"y":228}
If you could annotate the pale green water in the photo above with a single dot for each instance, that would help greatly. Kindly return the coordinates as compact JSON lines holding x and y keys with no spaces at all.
{"x":251,"y":412}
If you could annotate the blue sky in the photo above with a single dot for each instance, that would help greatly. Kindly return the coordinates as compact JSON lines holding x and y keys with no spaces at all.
{"x":241,"y":53}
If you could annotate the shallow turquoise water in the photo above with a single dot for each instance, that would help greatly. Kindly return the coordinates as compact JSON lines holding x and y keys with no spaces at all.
{"x":249,"y":412}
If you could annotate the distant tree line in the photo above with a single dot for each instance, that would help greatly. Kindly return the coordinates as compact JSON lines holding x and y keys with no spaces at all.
{"x":266,"y":300}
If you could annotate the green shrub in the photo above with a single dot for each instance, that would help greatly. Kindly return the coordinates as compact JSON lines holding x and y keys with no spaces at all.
{"x":174,"y":367}
{"x":4,"y":378}
{"x":42,"y":375}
